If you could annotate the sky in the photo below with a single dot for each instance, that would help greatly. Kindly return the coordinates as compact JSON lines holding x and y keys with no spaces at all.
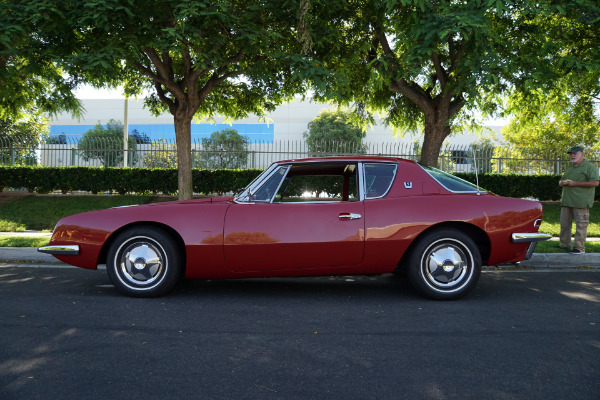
{"x":89,"y":92}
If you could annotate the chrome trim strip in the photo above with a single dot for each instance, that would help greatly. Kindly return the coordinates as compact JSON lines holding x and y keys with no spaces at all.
{"x":236,"y":201}
{"x":361,"y":181}
{"x":529,"y":237}
{"x":287,"y":171}
{"x":71,"y":250}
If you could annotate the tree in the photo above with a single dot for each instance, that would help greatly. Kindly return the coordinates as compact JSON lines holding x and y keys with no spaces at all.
{"x":224,"y":149}
{"x":105,"y":144}
{"x":431,"y":64}
{"x":556,"y":121}
{"x":29,"y":77}
{"x":20,"y":138}
{"x":566,"y":112}
{"x":483,"y":152}
{"x":334,"y":132}
{"x":198,"y":59}
{"x":160,"y":155}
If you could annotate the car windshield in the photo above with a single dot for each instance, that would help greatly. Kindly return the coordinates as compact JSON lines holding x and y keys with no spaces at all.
{"x":451,"y":182}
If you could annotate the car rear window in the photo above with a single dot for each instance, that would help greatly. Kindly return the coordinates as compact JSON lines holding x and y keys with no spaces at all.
{"x":450,"y":182}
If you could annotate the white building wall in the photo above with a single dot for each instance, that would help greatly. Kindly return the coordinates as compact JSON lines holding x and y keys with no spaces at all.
{"x":288,"y":122}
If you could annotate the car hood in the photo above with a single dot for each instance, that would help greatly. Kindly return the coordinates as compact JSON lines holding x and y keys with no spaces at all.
{"x":203,"y":200}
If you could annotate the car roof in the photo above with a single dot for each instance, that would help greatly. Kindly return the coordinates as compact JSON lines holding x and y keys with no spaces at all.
{"x":347,"y":158}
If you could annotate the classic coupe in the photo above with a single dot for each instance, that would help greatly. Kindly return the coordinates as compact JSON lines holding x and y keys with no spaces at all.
{"x":314,"y":216}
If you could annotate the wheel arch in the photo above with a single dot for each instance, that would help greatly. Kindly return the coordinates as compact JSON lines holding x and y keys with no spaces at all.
{"x":478,"y":235}
{"x":151,"y":224}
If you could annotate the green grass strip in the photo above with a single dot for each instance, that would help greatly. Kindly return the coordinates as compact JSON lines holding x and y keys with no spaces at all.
{"x":43,"y":212}
{"x":18,"y":241}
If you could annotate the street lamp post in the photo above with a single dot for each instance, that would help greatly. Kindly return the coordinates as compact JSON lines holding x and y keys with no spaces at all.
{"x":125,"y":135}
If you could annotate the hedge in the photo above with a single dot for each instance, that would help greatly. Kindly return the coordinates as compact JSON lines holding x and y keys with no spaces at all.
{"x":154,"y":181}
{"x":121,"y":180}
{"x":541,"y":187}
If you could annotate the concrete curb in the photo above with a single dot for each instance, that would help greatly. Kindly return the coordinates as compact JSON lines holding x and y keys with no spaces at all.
{"x":554,"y":260}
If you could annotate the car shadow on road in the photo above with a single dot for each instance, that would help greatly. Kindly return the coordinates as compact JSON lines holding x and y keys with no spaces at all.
{"x":380,"y":286}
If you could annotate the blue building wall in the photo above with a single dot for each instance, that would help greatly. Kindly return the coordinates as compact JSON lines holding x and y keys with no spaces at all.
{"x":255,"y":132}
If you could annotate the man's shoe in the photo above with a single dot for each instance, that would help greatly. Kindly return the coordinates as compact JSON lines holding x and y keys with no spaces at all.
{"x":558,"y":246}
{"x":577,"y":251}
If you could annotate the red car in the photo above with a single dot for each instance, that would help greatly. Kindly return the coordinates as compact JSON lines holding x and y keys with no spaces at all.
{"x":316,"y":216}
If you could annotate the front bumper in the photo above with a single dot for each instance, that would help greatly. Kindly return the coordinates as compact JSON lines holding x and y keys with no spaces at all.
{"x":532,"y":238}
{"x":70,"y":250}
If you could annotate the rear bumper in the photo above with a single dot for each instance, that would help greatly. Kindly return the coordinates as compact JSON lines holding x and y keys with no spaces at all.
{"x":71,"y":250}
{"x":529,"y":237}
{"x":532,"y":238}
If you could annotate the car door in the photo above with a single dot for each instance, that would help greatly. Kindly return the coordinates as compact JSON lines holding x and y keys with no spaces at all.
{"x":302,"y":233}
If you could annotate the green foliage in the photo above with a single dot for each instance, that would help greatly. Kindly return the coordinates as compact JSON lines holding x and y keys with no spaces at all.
{"x":155,"y":181}
{"x":541,"y":187}
{"x":122,"y":180}
{"x":557,"y":110}
{"x":197,"y":59}
{"x":556,"y":120}
{"x":429,"y":66}
{"x":105,"y":144}
{"x":527,"y":159}
{"x":10,"y":226}
{"x":29,"y":76}
{"x":24,"y":241}
{"x":160,"y":155}
{"x":224,"y":149}
{"x":335,"y":132}
{"x":19,"y":138}
{"x":483,"y":151}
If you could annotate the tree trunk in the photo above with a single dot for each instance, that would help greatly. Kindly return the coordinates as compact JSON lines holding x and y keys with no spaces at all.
{"x":438,"y":112}
{"x":437,"y":129}
{"x":183,"y":136}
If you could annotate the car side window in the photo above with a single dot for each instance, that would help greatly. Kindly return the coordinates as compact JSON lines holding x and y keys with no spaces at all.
{"x":266,"y":191}
{"x":319,"y":183}
{"x":378,"y":179}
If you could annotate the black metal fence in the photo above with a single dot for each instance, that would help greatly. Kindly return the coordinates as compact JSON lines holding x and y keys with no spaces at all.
{"x":64,"y":151}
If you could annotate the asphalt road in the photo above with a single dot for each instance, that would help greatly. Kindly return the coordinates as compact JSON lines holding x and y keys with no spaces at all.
{"x":66,"y":333}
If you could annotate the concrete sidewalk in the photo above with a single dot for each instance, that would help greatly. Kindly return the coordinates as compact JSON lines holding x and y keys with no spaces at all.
{"x":29,"y":255}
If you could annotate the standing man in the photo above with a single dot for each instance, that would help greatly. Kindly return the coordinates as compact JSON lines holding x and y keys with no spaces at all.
{"x":578,"y":189}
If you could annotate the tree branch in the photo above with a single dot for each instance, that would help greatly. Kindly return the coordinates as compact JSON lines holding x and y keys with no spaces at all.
{"x":164,"y":75}
{"x":385,"y":46}
{"x":441,"y":74}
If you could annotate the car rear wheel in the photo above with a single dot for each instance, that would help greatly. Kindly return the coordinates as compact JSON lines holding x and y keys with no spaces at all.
{"x":144,"y":262}
{"x":444,"y":264}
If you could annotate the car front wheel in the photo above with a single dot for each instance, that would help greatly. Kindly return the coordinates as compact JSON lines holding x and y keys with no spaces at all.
{"x":144,"y":262}
{"x":444,"y":264}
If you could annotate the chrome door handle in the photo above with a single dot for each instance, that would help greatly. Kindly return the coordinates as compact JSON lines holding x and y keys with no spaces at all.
{"x":349,"y":216}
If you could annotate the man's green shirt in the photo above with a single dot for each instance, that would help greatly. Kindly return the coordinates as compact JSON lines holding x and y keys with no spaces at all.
{"x":579,"y":197}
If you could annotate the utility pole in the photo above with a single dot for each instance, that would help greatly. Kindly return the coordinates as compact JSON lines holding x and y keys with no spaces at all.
{"x":125,"y":135}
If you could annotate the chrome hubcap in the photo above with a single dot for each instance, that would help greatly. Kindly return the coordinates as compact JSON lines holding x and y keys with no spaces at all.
{"x":446,"y":266}
{"x":141,"y":263}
